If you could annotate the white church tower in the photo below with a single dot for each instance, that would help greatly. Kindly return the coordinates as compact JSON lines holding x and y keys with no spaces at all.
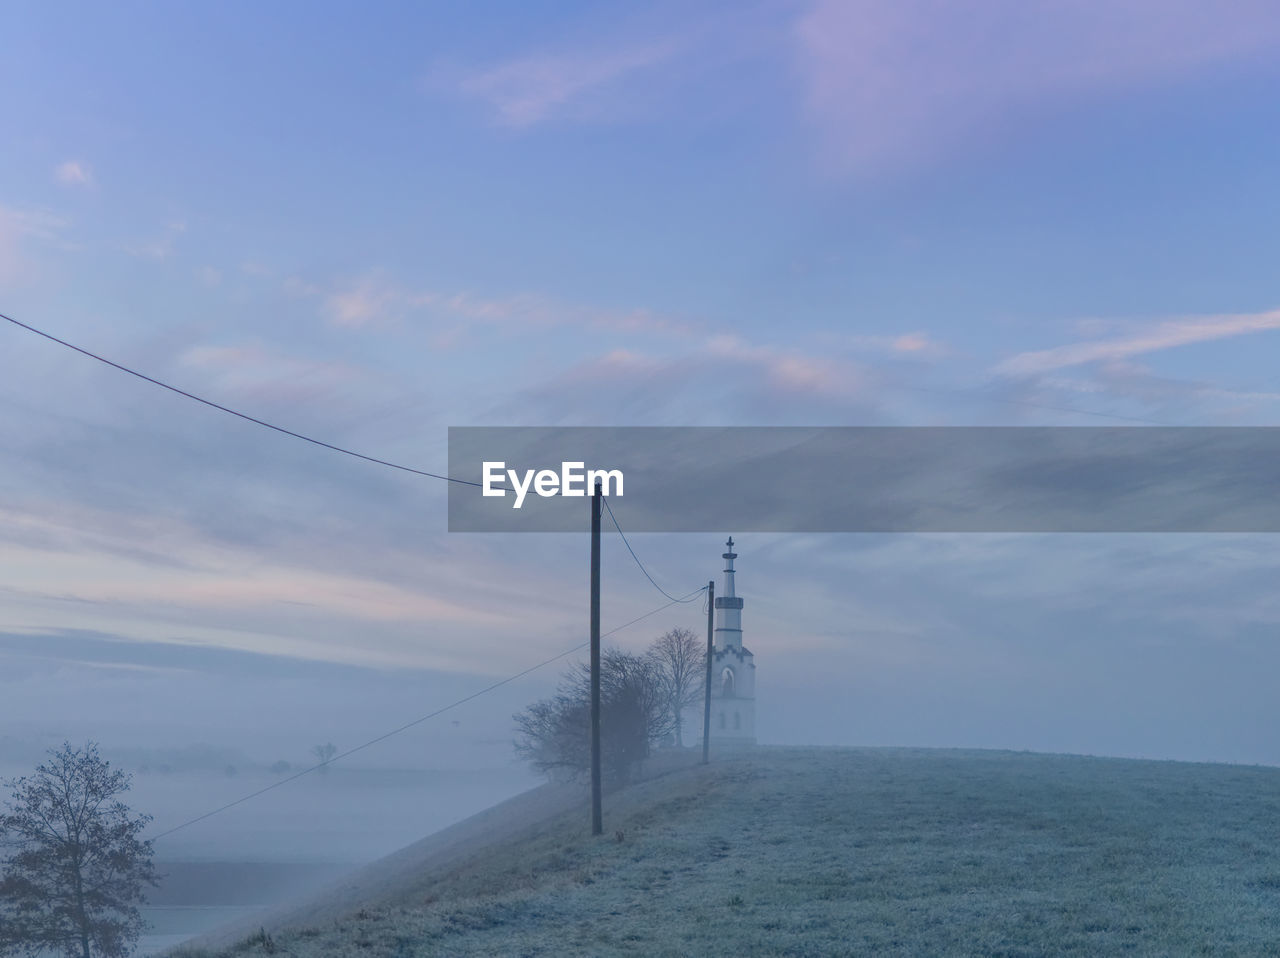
{"x":733,"y":669}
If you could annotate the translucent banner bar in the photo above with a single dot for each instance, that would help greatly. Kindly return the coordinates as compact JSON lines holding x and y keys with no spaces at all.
{"x":869,"y":479}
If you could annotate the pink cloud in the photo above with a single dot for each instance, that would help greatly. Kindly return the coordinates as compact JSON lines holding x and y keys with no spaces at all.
{"x":622,"y":367}
{"x":1160,"y":336}
{"x":722,"y":361}
{"x":916,"y":345}
{"x":371,"y":299}
{"x":73,"y":173}
{"x":532,"y":310}
{"x":533,"y":89}
{"x":890,"y":81}
{"x":375,"y":299}
{"x":913,"y":343}
{"x":789,"y":370}
{"x":261,"y":374}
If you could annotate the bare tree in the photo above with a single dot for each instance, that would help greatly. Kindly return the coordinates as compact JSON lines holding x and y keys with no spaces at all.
{"x":554,"y":734}
{"x":681,"y":659}
{"x":324,"y":754}
{"x":75,"y":865}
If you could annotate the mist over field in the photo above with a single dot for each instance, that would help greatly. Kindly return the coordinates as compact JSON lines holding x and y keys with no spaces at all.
{"x":195,"y":739}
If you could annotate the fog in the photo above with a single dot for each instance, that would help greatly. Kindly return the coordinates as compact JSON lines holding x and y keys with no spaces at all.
{"x":1122,"y":645}
{"x":369,"y":227}
{"x":1138,"y":646}
{"x":196,"y":736}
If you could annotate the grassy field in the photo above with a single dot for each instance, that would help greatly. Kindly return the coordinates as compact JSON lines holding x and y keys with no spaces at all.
{"x":863,"y":851}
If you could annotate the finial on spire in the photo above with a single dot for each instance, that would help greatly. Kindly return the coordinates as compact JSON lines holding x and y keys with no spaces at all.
{"x":730,"y":542}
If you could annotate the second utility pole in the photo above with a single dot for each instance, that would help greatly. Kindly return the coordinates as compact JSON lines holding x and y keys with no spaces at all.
{"x":706,"y":703}
{"x":597,"y":815}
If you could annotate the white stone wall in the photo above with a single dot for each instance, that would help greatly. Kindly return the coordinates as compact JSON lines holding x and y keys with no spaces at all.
{"x":733,"y":689}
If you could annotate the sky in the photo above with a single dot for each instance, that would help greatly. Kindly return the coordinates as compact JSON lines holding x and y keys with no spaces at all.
{"x":371,"y":223}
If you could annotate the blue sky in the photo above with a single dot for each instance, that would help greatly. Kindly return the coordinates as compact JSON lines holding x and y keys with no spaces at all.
{"x":369,"y":224}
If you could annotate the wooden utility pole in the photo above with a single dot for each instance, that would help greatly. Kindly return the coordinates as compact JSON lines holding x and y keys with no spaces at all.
{"x":706,"y":704}
{"x":597,"y":815}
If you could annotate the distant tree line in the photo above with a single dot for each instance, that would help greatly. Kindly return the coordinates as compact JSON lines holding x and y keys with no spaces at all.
{"x":642,"y":698}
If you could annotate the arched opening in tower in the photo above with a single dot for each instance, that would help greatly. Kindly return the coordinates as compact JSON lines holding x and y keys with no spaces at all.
{"x":726,"y":683}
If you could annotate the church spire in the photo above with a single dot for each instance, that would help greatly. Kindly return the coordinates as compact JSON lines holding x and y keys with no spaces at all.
{"x":728,"y":568}
{"x":728,"y":634}
{"x":733,"y":668}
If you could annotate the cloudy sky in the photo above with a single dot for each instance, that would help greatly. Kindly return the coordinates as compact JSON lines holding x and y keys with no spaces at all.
{"x":371,"y":223}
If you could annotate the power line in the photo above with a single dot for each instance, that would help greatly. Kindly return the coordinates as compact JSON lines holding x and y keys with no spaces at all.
{"x":221,"y":408}
{"x":637,"y":558}
{"x":973,"y":394}
{"x":408,"y":725}
{"x":382,"y":462}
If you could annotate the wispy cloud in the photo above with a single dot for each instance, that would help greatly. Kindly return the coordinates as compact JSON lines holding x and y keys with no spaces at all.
{"x":162,"y":246}
{"x":258,"y":373}
{"x":72,"y":569}
{"x":377,"y":299}
{"x":1135,"y":381}
{"x":35,"y":223}
{"x":717,"y":378}
{"x":369,"y":300}
{"x":1164,"y":335}
{"x":532,"y":310}
{"x":888,"y":81}
{"x":784,"y":371}
{"x":73,"y":173}
{"x":17,"y":227}
{"x":791,"y":371}
{"x":913,"y":345}
{"x":530,"y":90}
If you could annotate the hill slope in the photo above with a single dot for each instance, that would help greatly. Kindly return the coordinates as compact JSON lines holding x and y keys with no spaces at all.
{"x":875,"y":851}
